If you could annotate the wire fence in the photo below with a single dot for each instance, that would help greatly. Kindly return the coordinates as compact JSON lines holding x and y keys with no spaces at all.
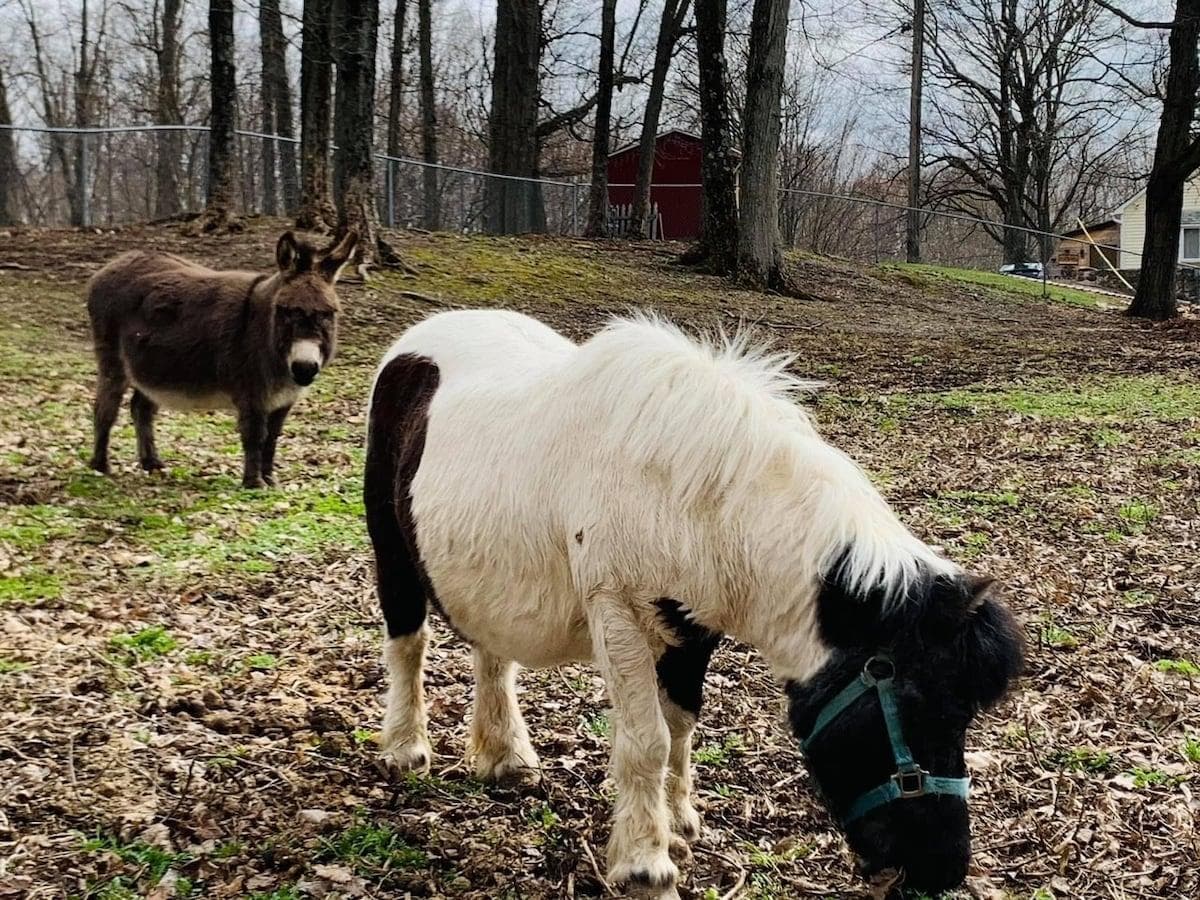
{"x":111,"y":176}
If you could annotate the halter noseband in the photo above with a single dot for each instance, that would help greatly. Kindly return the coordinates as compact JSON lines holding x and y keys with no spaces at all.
{"x":909,"y":780}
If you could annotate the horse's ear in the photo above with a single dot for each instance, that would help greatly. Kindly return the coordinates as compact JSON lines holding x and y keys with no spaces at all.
{"x":286,"y":251}
{"x":336,"y":256}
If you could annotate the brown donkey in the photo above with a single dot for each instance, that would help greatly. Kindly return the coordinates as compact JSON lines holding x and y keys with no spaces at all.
{"x":189,"y":337}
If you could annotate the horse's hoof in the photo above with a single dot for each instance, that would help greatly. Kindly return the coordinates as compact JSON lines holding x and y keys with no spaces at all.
{"x":403,"y":758}
{"x":679,"y":849}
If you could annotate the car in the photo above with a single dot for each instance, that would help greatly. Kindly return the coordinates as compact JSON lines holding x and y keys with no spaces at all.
{"x":1023,"y":270}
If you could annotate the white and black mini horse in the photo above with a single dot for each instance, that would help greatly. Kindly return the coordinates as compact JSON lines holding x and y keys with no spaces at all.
{"x":631,"y":499}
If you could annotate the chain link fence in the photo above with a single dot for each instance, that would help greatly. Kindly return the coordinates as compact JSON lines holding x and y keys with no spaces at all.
{"x":110,"y":176}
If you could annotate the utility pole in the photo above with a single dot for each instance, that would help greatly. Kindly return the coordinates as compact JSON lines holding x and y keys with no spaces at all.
{"x":913,"y":237}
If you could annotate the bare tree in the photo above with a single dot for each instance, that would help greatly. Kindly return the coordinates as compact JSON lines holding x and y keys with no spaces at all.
{"x":597,"y":223}
{"x":1176,"y":159}
{"x":396,"y":82}
{"x":1018,"y":122}
{"x":719,"y":238}
{"x":355,"y":26}
{"x":222,"y":91}
{"x":513,"y":122}
{"x":8,"y":161}
{"x":760,"y":248}
{"x":316,"y":70}
{"x":169,"y":144}
{"x":276,"y":111}
{"x":670,"y":28}
{"x":429,"y":124}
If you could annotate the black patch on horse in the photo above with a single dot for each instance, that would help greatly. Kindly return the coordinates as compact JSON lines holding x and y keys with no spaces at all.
{"x":395,"y":444}
{"x":682,"y":666}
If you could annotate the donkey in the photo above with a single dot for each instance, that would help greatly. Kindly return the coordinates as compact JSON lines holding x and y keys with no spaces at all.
{"x":189,"y":337}
{"x":631,"y":500}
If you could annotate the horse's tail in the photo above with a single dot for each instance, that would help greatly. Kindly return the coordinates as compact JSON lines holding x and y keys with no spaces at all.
{"x":396,"y":425}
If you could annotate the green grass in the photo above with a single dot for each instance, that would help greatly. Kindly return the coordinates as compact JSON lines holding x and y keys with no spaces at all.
{"x":287,"y":892}
{"x":719,"y":754}
{"x":151,"y":863}
{"x":1058,"y":637}
{"x":1081,"y":759}
{"x":923,"y":274}
{"x":1137,"y":514}
{"x":372,"y":849}
{"x":599,"y":725}
{"x":262,"y":662}
{"x":1183,"y":667}
{"x":10,"y":666}
{"x":1144,"y":778}
{"x":148,"y":643}
{"x":31,"y":587}
{"x":362,"y":736}
{"x":1191,"y":749}
{"x":1123,"y":398}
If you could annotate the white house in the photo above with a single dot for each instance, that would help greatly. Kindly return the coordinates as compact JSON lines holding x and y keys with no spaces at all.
{"x":1132,"y":216}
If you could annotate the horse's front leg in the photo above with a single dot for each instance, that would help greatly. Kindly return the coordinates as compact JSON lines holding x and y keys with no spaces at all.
{"x":638,"y":849}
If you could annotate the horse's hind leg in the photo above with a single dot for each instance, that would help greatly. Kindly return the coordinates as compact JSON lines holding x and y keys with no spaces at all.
{"x":402,"y":599}
{"x":143,"y":411}
{"x":110,"y":388}
{"x":681,"y":672}
{"x":638,"y":848}
{"x":500,"y":742}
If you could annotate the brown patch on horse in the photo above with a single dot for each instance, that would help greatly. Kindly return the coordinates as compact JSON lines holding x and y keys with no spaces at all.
{"x":189,"y":337}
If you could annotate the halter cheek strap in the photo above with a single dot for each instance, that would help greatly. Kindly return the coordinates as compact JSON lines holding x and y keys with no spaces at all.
{"x":909,"y":780}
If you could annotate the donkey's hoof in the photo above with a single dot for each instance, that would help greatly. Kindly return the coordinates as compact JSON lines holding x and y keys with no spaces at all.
{"x":268,"y":479}
{"x":411,"y":757}
{"x":251,"y":484}
{"x":99,"y":465}
{"x":154,"y":464}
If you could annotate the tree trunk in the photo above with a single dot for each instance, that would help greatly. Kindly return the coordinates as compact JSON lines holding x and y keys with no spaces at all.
{"x":168,"y":144}
{"x":912,"y":236}
{"x":432,"y":219}
{"x":760,"y":247}
{"x":1176,"y":157}
{"x":316,"y":70}
{"x":674,"y":14}
{"x":597,"y":224}
{"x":275,"y":74}
{"x":719,"y":236}
{"x":83,"y":109}
{"x":270,"y":202}
{"x":8,"y":162}
{"x":355,"y":26}
{"x":222,"y":91}
{"x":511,"y":206}
{"x":395,"y":138}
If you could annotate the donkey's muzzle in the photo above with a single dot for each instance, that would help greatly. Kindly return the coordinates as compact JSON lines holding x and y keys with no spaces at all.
{"x":304,"y":372}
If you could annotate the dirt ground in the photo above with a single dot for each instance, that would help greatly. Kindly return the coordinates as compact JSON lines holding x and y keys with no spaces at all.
{"x":190,"y":685}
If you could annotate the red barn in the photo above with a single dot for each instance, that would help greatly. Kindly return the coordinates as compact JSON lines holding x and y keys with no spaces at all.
{"x":674,"y":185}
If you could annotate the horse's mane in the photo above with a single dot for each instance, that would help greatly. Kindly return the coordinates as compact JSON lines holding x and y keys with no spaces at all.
{"x":715,"y":416}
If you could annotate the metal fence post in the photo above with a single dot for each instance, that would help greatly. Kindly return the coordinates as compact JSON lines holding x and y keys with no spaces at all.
{"x":390,"y":182}
{"x":574,"y":209}
{"x":81,"y":179}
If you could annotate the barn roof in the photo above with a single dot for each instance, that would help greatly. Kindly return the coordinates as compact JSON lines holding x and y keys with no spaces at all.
{"x":632,"y":145}
{"x":1092,"y":226}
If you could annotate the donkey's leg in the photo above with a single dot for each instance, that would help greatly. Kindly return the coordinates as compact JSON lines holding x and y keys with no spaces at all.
{"x":499,"y":739}
{"x":638,"y":849}
{"x":110,"y":388}
{"x":681,"y":684}
{"x":143,"y":410}
{"x":252,"y":426}
{"x":274,"y":427}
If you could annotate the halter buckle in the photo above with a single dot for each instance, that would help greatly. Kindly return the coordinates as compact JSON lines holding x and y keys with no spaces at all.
{"x":878,"y":668}
{"x":910,"y":782}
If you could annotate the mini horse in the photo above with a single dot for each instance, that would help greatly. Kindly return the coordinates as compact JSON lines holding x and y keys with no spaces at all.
{"x":632,"y":499}
{"x":189,"y":337}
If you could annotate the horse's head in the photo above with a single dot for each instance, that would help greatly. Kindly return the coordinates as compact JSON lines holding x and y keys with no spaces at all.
{"x":305,"y":305}
{"x":884,"y":721}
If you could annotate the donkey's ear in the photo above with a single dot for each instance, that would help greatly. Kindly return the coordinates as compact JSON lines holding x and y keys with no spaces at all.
{"x":980,"y":589}
{"x":286,"y":251}
{"x":335,"y":257}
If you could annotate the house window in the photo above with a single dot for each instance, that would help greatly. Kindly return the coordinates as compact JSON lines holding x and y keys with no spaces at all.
{"x":1191,"y":243}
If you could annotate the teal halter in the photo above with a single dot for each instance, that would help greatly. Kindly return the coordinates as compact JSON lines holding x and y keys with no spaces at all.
{"x":909,"y":780}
